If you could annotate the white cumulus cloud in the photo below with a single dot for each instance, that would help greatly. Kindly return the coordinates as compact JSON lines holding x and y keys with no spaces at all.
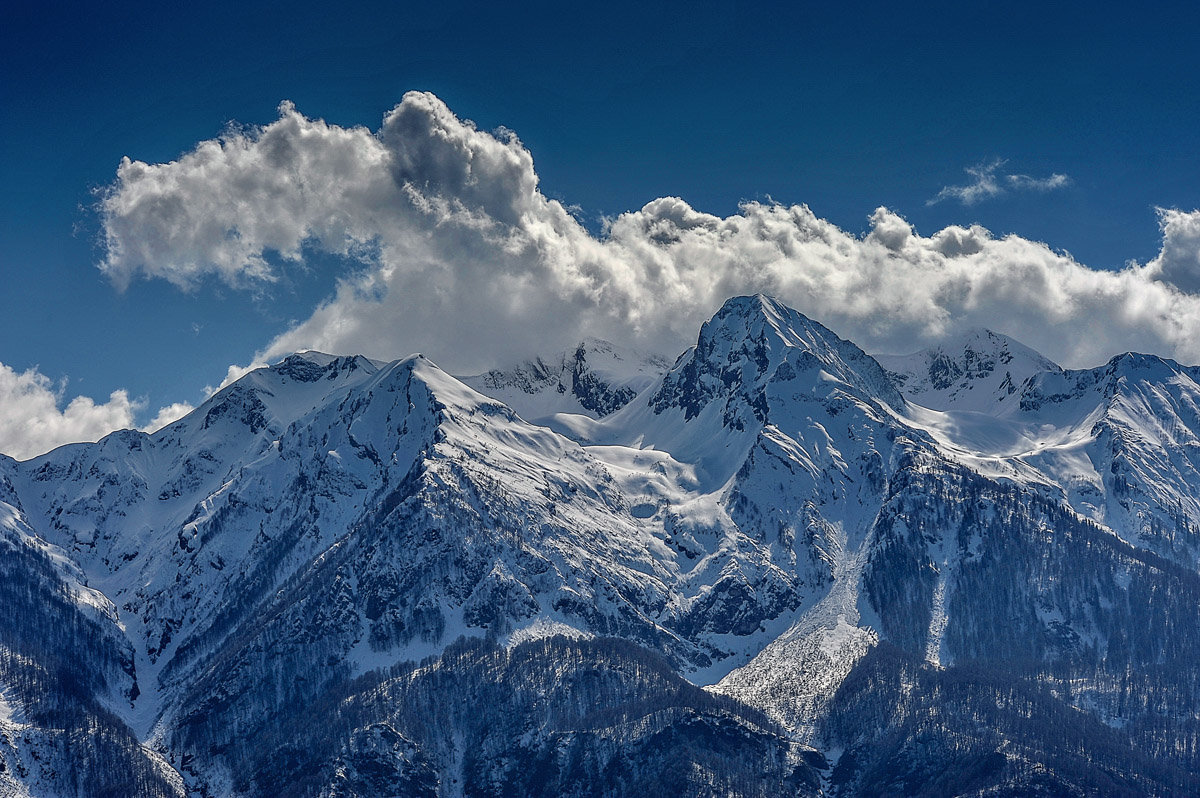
{"x":465,"y":259}
{"x":166,"y":415}
{"x":34,"y":421}
{"x":1178,"y":263}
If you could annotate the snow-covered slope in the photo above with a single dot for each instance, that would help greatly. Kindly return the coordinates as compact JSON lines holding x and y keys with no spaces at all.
{"x":262,"y":592}
{"x":1119,"y":442}
{"x":1132,"y":458}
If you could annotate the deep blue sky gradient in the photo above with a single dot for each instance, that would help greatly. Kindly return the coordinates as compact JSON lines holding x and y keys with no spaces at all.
{"x":843,"y":106}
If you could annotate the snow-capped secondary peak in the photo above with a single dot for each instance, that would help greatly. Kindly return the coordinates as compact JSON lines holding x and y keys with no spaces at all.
{"x":1136,"y":366}
{"x":593,"y":378}
{"x":973,"y":372}
{"x":1127,"y":375}
{"x":266,"y":400}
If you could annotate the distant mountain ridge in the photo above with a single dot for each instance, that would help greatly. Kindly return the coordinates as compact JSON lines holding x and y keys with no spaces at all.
{"x":594,"y":378}
{"x":776,"y":566}
{"x":978,"y":373}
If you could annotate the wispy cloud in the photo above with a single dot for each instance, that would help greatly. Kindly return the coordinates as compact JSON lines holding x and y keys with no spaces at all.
{"x":1027,"y":183}
{"x":465,"y":259}
{"x":990,"y":181}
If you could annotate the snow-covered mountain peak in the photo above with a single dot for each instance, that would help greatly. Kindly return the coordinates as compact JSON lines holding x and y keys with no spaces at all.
{"x":763,"y":318}
{"x":758,"y":368}
{"x":750,"y":342}
{"x":310,"y":365}
{"x":976,"y":371}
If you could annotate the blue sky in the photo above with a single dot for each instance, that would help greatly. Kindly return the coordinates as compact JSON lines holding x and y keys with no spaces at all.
{"x":842,"y":107}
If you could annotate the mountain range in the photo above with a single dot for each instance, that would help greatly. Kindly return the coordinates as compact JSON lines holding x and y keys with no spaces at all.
{"x":774,"y":566}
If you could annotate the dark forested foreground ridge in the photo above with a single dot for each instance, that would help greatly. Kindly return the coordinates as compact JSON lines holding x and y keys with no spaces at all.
{"x":777,"y":566}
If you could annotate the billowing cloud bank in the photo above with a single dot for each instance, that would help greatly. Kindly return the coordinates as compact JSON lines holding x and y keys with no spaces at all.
{"x":466,"y":260}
